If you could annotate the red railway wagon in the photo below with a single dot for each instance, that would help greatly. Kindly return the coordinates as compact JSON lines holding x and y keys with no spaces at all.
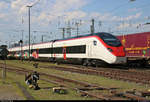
{"x":137,"y":47}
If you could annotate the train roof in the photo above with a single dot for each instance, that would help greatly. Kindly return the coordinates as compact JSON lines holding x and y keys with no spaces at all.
{"x":81,"y":36}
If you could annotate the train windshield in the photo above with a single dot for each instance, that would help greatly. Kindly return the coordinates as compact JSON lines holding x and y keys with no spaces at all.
{"x":109,"y":39}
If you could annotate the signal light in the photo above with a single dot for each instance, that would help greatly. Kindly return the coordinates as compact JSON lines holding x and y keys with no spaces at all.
{"x":110,"y":49}
{"x":124,"y":49}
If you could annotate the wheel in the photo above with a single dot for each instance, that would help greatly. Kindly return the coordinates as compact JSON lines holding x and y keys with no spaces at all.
{"x":143,"y":63}
{"x":94,"y":64}
{"x":53,"y":60}
{"x":86,"y":62}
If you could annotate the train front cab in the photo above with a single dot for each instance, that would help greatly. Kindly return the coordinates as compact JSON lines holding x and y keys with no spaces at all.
{"x":108,"y":49}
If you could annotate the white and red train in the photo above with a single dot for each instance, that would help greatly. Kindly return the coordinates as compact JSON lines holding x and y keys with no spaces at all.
{"x":90,"y":49}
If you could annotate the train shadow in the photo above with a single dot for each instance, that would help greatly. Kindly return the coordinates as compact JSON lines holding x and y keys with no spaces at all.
{"x":129,"y":66}
{"x":117,"y":66}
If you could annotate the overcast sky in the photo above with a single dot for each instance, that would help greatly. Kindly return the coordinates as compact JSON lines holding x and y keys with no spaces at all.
{"x":47,"y":16}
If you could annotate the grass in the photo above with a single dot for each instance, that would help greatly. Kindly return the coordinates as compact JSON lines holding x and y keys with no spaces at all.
{"x":89,"y":78}
{"x":8,"y":86}
{"x":46,"y":94}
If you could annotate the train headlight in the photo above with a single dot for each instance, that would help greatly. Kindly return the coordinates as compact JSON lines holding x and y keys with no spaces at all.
{"x":110,"y":49}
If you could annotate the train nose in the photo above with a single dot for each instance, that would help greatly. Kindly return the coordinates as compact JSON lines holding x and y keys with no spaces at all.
{"x":119,"y":52}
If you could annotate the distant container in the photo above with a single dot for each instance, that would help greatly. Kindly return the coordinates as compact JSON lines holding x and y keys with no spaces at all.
{"x":137,"y":46}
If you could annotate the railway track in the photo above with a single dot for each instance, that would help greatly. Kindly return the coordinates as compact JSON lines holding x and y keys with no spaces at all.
{"x":119,"y":74}
{"x":113,"y":73}
{"x":62,"y":81}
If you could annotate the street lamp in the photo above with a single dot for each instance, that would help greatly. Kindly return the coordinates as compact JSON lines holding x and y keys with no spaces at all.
{"x":29,"y":29}
{"x":29,"y":6}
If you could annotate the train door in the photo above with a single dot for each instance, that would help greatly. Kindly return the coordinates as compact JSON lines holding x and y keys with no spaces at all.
{"x":92,"y":49}
{"x":89,"y":49}
{"x":64,"y":53}
{"x":52,"y":50}
{"x":35,"y":53}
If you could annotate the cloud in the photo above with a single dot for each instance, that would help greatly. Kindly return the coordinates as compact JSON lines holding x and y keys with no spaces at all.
{"x":23,"y":10}
{"x":64,"y":5}
{"x":49,"y":13}
{"x":117,"y":18}
{"x":2,"y":16}
{"x":19,"y":6}
{"x":66,"y":9}
{"x":99,"y":16}
{"x":95,"y":15}
{"x":124,"y":25}
{"x":3,"y":5}
{"x":127,"y":25}
{"x":75,"y":15}
{"x":42,"y":16}
{"x":1,"y":36}
{"x":133,"y":9}
{"x":109,"y":17}
{"x":132,"y":17}
{"x":43,"y":19}
{"x":66,"y":16}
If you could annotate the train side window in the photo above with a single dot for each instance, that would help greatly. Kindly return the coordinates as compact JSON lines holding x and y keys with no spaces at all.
{"x":95,"y":42}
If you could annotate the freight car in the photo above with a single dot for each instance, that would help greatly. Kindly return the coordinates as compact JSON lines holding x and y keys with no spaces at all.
{"x":91,"y":49}
{"x":137,"y":48}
